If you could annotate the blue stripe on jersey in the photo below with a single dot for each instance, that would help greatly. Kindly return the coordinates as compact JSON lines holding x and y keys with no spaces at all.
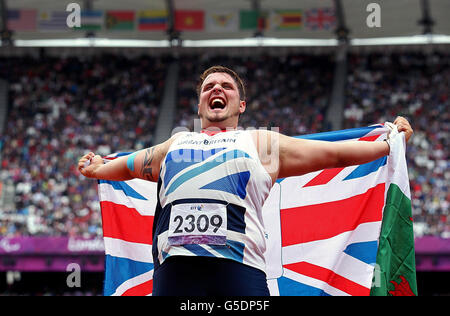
{"x":164,"y":255}
{"x":236,"y":218}
{"x":181,"y":159}
{"x":232,"y":250}
{"x":205,"y":167}
{"x":198,"y":250}
{"x":235,"y":184}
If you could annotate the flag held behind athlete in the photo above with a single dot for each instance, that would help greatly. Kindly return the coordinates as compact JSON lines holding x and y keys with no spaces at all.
{"x":323,"y":229}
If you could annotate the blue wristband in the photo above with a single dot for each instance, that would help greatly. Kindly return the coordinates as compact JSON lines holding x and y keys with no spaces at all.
{"x":130,"y":161}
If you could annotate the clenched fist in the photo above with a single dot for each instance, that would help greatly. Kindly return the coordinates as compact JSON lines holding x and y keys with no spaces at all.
{"x":404,"y":126}
{"x":89,"y":163}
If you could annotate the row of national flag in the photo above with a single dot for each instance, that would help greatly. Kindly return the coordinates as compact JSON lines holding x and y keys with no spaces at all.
{"x":185,"y":20}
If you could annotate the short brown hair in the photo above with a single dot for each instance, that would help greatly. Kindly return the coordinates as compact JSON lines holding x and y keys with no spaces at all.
{"x":233,"y":74}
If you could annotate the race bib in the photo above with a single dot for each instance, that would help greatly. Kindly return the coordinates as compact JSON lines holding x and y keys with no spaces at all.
{"x":198,"y":224}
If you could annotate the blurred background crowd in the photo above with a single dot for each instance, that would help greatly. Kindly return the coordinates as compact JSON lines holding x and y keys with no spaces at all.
{"x":415,"y":85}
{"x":61,"y":108}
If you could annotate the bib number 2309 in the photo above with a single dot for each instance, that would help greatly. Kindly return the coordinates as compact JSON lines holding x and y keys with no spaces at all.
{"x":198,"y":224}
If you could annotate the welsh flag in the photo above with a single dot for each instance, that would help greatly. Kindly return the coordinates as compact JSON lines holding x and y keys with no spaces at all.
{"x":395,"y":271}
{"x":343,"y":231}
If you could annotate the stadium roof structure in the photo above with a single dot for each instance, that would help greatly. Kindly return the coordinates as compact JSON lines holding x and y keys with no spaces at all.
{"x":227,"y":23}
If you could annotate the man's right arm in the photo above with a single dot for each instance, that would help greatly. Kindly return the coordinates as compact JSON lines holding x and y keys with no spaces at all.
{"x":144,"y":164}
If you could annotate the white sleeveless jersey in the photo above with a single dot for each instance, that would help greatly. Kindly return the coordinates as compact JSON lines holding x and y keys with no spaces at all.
{"x":211,"y":191}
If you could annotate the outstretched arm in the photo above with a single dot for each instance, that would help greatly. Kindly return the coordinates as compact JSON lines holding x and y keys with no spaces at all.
{"x":144,"y":164}
{"x":300,"y":156}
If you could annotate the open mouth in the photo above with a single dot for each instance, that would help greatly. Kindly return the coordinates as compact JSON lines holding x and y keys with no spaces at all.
{"x":217,"y":103}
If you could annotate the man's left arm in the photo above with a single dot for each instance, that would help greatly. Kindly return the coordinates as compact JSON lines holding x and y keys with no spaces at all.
{"x":300,"y":156}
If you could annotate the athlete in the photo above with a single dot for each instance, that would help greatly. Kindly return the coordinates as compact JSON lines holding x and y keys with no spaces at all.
{"x":208,"y":233}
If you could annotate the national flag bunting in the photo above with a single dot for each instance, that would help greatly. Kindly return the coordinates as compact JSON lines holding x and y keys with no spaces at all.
{"x":152,"y":20}
{"x":91,"y":20}
{"x":53,"y":21}
{"x":286,"y":20}
{"x":320,"y":19}
{"x":253,"y":20}
{"x":222,"y":21}
{"x":185,"y":20}
{"x":323,"y":228}
{"x":120,"y":20}
{"x":21,"y":20}
{"x":189,"y":20}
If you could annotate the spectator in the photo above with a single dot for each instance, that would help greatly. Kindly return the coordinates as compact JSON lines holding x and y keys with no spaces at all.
{"x":295,"y":86}
{"x":415,"y":85}
{"x":60,"y":108}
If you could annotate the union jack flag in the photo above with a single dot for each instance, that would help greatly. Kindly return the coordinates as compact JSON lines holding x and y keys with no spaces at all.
{"x":128,"y":209}
{"x":329,"y":224}
{"x":322,"y":228}
{"x":320,"y":19}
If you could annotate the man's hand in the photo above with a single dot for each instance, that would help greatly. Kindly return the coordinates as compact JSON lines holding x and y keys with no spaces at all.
{"x":404,"y":126}
{"x":88,"y":164}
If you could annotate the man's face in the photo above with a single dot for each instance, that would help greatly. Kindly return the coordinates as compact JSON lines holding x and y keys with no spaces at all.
{"x":220,"y":104}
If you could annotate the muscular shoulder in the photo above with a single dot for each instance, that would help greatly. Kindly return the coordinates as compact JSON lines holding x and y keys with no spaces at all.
{"x":267,"y":144}
{"x":164,"y":147}
{"x":147,"y":162}
{"x":265,"y":140}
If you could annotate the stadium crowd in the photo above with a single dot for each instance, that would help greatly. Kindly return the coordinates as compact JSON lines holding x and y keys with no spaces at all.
{"x":415,"y":85}
{"x":60,"y":108}
{"x":293,"y":86}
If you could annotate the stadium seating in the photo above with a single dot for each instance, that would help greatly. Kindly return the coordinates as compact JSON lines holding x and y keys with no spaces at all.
{"x":414,"y":85}
{"x":60,"y":108}
{"x":297,"y":86}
